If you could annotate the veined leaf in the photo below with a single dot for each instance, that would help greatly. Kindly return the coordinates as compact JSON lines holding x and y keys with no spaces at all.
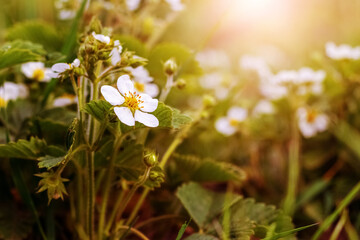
{"x":196,"y":169}
{"x":19,"y":51}
{"x":49,"y":161}
{"x":32,"y":149}
{"x":202,"y":205}
{"x":179,"y":119}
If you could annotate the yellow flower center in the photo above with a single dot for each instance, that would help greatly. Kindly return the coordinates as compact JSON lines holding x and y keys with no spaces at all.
{"x":311,"y":116}
{"x":139,"y":86}
{"x":233,"y":122}
{"x":132,"y":101}
{"x":2,"y":102}
{"x":38,"y":74}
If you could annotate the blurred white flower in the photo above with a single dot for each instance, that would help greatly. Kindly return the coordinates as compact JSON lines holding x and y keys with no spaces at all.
{"x":101,"y":38}
{"x":263,"y":107}
{"x":130,"y":106}
{"x":256,"y":64}
{"x":66,"y":14}
{"x":59,"y":68}
{"x":213,"y":59}
{"x":306,"y":80}
{"x":311,"y":122}
{"x":115,"y":53}
{"x":142,"y":81}
{"x":36,"y":71}
{"x":342,"y":51}
{"x":132,"y":5}
{"x":218,"y":82}
{"x":64,"y":100}
{"x":228,"y":125}
{"x":176,"y":5}
{"x":12,"y":91}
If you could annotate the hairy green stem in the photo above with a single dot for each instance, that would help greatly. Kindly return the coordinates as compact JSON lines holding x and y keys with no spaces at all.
{"x":293,"y":169}
{"x":117,"y":144}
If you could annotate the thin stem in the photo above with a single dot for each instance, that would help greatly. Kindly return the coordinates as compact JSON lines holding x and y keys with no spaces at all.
{"x":119,"y":200}
{"x":107,"y":187}
{"x":133,"y":230}
{"x":293,"y":169}
{"x":139,"y":183}
{"x":166,"y":90}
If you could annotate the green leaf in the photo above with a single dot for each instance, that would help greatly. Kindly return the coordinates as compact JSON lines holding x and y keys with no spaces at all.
{"x":50,"y":161}
{"x":182,"y":230}
{"x":348,"y":135}
{"x":179,"y":119}
{"x":19,"y":51}
{"x":132,"y":44}
{"x":202,"y":205}
{"x":182,"y":55}
{"x":36,"y":31}
{"x":196,"y":169}
{"x":24,"y":149}
{"x":198,"y":236}
{"x":129,"y":162}
{"x":99,"y":109}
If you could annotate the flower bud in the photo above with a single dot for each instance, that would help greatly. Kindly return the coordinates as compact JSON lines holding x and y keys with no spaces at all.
{"x":170,"y":67}
{"x":95,"y":25}
{"x":150,"y":158}
{"x":180,"y":83}
{"x":208,"y":101}
{"x":137,"y":61}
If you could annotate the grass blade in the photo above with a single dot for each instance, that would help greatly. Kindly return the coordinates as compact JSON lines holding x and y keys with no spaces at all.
{"x":182,"y":229}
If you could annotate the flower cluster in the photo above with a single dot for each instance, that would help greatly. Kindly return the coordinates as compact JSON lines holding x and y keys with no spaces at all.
{"x":342,"y":51}
{"x":228,"y":125}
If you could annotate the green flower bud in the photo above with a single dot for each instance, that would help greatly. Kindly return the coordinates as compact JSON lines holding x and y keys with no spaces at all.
{"x":180,"y":83}
{"x":95,"y":25}
{"x":150,"y":158}
{"x":208,"y":101}
{"x":170,"y":67}
{"x":137,"y":61}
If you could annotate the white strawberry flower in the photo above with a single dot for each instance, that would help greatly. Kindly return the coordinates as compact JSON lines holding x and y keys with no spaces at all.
{"x":263,"y":107}
{"x":12,"y":91}
{"x":65,"y":100}
{"x":311,"y":122}
{"x":129,"y":105}
{"x":36,"y":71}
{"x":228,"y":125}
{"x":176,"y":5}
{"x":59,"y":68}
{"x":101,"y":38}
{"x":342,"y":51}
{"x":142,"y":81}
{"x":115,"y":53}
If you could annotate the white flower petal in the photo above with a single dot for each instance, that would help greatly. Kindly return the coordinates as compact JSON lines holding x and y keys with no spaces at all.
{"x":321,"y":122}
{"x":60,"y":67}
{"x":146,"y":119}
{"x":28,"y":68}
{"x":237,"y":113}
{"x":125,"y":85}
{"x":47,"y":75}
{"x":223,"y":126}
{"x":151,"y":89}
{"x":149,"y":104}
{"x":101,"y":38}
{"x":76,"y":63}
{"x":115,"y":56}
{"x":307,"y":130}
{"x":125,"y":115}
{"x":132,"y":5}
{"x":112,"y":95}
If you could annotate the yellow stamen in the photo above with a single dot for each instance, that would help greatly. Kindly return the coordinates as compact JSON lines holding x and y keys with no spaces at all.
{"x":2,"y":102}
{"x":311,"y":116}
{"x":233,"y":122}
{"x":139,"y":86}
{"x":38,"y":74}
{"x":132,"y":101}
